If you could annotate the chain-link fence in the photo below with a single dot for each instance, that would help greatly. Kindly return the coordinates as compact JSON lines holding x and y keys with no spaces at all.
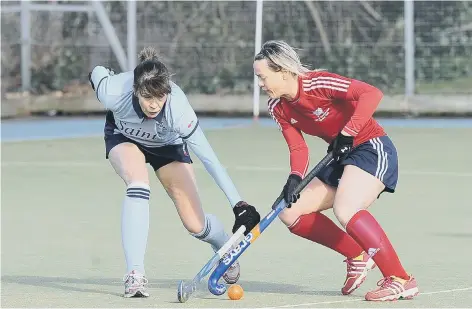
{"x":209,"y":45}
{"x":10,"y":48}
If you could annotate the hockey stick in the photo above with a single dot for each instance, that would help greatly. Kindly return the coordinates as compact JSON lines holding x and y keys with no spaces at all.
{"x":213,"y":285}
{"x":186,"y":289}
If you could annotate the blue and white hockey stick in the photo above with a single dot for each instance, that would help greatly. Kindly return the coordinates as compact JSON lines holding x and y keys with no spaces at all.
{"x":186,"y":289}
{"x":219,"y":289}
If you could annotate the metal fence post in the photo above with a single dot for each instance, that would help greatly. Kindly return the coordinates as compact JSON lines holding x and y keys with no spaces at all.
{"x":409,"y":48}
{"x":25,"y":45}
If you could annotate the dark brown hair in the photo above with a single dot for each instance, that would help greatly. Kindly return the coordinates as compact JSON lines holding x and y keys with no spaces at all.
{"x":151,"y":77}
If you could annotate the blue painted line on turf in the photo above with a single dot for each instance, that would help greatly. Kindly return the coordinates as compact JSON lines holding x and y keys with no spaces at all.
{"x":440,"y":123}
{"x":55,"y":128}
{"x":37,"y":129}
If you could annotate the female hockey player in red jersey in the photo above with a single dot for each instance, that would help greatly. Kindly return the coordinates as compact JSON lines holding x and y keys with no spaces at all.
{"x":339,"y":110}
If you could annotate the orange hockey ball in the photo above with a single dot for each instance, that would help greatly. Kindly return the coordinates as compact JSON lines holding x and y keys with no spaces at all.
{"x":235,"y":292}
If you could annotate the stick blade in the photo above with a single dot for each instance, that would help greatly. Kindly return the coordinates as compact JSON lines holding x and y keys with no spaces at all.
{"x":182,"y":293}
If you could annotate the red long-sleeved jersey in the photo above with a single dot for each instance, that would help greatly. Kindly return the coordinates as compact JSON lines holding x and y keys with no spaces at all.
{"x":325,"y":105}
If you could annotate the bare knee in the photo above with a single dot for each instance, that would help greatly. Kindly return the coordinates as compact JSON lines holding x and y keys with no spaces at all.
{"x":317,"y":196}
{"x":344,"y":213}
{"x":289,"y":215}
{"x":129,"y":163}
{"x":357,"y":190}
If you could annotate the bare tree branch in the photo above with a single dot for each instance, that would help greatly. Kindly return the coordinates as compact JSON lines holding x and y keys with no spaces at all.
{"x":366,"y":17}
{"x":390,"y":33}
{"x":371,"y":10}
{"x":362,"y":31}
{"x":319,"y":25}
{"x":462,"y":28}
{"x":182,"y":26}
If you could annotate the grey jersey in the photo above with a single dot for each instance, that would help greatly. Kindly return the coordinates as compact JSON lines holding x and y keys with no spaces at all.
{"x":175,"y":124}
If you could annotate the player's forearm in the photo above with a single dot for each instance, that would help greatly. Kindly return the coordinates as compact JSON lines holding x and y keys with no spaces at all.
{"x":299,"y":154}
{"x":202,"y":149}
{"x":299,"y":161}
{"x":365,"y":108}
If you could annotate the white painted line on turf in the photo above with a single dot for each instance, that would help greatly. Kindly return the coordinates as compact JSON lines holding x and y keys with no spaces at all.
{"x":197,"y":166}
{"x":319,"y":303}
{"x":362,"y":299}
{"x":436,"y":173}
{"x":407,"y":172}
{"x":446,"y":291}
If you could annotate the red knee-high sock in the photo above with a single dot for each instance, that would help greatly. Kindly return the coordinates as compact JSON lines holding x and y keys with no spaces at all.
{"x":367,"y":232}
{"x":320,"y":229}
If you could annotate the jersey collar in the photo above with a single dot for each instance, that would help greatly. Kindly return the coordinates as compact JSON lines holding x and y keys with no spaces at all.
{"x":297,"y":97}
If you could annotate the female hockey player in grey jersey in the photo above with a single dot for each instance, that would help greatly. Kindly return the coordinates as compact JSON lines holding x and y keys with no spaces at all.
{"x":150,"y":120}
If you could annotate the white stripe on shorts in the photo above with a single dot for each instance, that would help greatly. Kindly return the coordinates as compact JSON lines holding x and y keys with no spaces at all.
{"x":384,"y":159}
{"x":382,"y":162}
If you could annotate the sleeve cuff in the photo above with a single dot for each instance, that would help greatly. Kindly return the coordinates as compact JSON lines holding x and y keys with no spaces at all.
{"x":193,"y":131}
{"x":350,"y":131}
{"x":297,"y":173}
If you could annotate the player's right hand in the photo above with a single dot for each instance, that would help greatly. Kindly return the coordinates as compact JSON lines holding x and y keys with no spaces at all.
{"x":341,"y":146}
{"x":246,"y":215}
{"x":289,"y":189}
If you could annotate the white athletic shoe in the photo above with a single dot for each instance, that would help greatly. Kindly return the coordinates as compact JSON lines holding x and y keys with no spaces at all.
{"x":232,"y":274}
{"x":135,"y":285}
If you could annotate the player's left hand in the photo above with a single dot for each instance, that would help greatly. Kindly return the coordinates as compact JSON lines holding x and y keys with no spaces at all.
{"x":290,"y":197}
{"x":341,"y":146}
{"x":246,"y":215}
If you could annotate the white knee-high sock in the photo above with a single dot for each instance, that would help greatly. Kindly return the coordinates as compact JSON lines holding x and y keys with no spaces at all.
{"x":213,"y":232}
{"x":135,"y":225}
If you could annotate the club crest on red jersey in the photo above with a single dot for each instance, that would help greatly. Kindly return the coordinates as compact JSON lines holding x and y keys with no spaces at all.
{"x":321,"y":114}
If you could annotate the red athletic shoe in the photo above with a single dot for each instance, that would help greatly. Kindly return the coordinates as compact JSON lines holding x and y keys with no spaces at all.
{"x":357,"y":269}
{"x":393,"y":288}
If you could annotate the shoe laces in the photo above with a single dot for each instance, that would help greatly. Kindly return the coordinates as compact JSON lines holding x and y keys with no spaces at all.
{"x":385,"y":282}
{"x":135,"y":278}
{"x":352,"y":267}
{"x":233,"y":265}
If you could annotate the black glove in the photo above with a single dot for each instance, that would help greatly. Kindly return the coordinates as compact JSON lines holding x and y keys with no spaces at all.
{"x":341,"y":146}
{"x":289,"y":188}
{"x":246,"y":215}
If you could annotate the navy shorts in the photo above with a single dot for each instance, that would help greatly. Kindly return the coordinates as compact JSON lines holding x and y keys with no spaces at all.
{"x":157,"y":157}
{"x":377,"y":156}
